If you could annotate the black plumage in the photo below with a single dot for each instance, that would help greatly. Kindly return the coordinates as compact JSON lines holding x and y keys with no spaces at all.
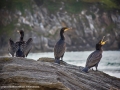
{"x":59,"y":48}
{"x":95,"y":57}
{"x":20,"y":48}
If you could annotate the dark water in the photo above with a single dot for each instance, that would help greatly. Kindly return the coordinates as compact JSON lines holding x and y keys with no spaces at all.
{"x":110,"y":62}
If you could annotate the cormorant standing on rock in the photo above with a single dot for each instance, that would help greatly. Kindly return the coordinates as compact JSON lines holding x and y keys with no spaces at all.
{"x":21,"y":48}
{"x":59,"y":48}
{"x":95,"y":57}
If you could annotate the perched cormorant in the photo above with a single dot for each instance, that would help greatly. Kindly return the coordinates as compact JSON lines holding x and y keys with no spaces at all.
{"x":20,"y":48}
{"x":59,"y":48}
{"x":95,"y":57}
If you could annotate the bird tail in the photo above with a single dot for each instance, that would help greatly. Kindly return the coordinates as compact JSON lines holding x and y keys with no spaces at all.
{"x":57,"y":60}
{"x":85,"y":69}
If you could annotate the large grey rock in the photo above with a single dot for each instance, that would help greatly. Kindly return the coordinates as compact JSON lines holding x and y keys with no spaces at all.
{"x":46,"y":75}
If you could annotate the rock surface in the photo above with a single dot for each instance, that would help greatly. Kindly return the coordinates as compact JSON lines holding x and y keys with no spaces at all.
{"x":44,"y":74}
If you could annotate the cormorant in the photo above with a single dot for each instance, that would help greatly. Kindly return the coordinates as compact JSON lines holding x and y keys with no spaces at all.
{"x":95,"y":57}
{"x":20,"y":48}
{"x":59,"y":48}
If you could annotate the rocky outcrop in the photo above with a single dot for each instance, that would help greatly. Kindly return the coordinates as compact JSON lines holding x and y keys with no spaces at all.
{"x":44,"y":74}
{"x":89,"y":26}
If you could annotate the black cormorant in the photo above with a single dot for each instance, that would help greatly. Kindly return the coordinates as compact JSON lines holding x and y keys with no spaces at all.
{"x":20,"y":48}
{"x":59,"y":48}
{"x":95,"y":57}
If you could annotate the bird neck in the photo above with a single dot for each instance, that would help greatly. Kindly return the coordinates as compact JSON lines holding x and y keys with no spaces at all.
{"x":99,"y":50}
{"x":21,"y":35}
{"x":62,"y":36}
{"x":98,"y":47}
{"x":21,"y":38}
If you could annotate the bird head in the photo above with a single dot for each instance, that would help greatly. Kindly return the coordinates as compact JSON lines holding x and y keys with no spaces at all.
{"x":100,"y":43}
{"x":21,"y":32}
{"x":64,"y":29}
{"x":103,"y":42}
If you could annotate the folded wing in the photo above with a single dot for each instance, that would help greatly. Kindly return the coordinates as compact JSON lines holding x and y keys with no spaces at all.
{"x":59,"y":49}
{"x":93,"y":59}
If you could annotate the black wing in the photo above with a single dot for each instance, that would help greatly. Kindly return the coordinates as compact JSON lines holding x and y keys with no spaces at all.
{"x":93,"y":58}
{"x":59,"y":48}
{"x":28,"y":47}
{"x":11,"y":47}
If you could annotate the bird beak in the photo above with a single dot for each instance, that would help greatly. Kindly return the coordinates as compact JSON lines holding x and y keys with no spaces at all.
{"x":67,"y":29}
{"x":103,"y":42}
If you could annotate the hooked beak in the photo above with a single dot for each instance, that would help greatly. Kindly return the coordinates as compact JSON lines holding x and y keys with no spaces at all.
{"x":102,"y":41}
{"x":67,"y":29}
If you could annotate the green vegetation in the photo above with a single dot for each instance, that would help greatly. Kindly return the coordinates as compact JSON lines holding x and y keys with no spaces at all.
{"x":72,"y":6}
{"x":107,"y":4}
{"x":75,"y":7}
{"x":8,"y":29}
{"x":51,"y":5}
{"x":15,"y":4}
{"x":90,"y":1}
{"x":12,"y":5}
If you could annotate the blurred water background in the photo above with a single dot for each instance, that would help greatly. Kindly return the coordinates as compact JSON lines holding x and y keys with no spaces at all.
{"x":110,"y":62}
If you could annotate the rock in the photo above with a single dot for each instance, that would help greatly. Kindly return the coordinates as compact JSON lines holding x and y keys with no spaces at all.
{"x":46,"y":59}
{"x":44,"y":74}
{"x":38,"y":20}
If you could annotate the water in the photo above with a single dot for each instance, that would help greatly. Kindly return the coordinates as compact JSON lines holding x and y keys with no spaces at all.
{"x":110,"y":62}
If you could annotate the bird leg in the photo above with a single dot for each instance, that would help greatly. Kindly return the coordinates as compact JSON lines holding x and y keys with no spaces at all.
{"x":62,"y":57}
{"x":96,"y":67}
{"x":57,"y":60}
